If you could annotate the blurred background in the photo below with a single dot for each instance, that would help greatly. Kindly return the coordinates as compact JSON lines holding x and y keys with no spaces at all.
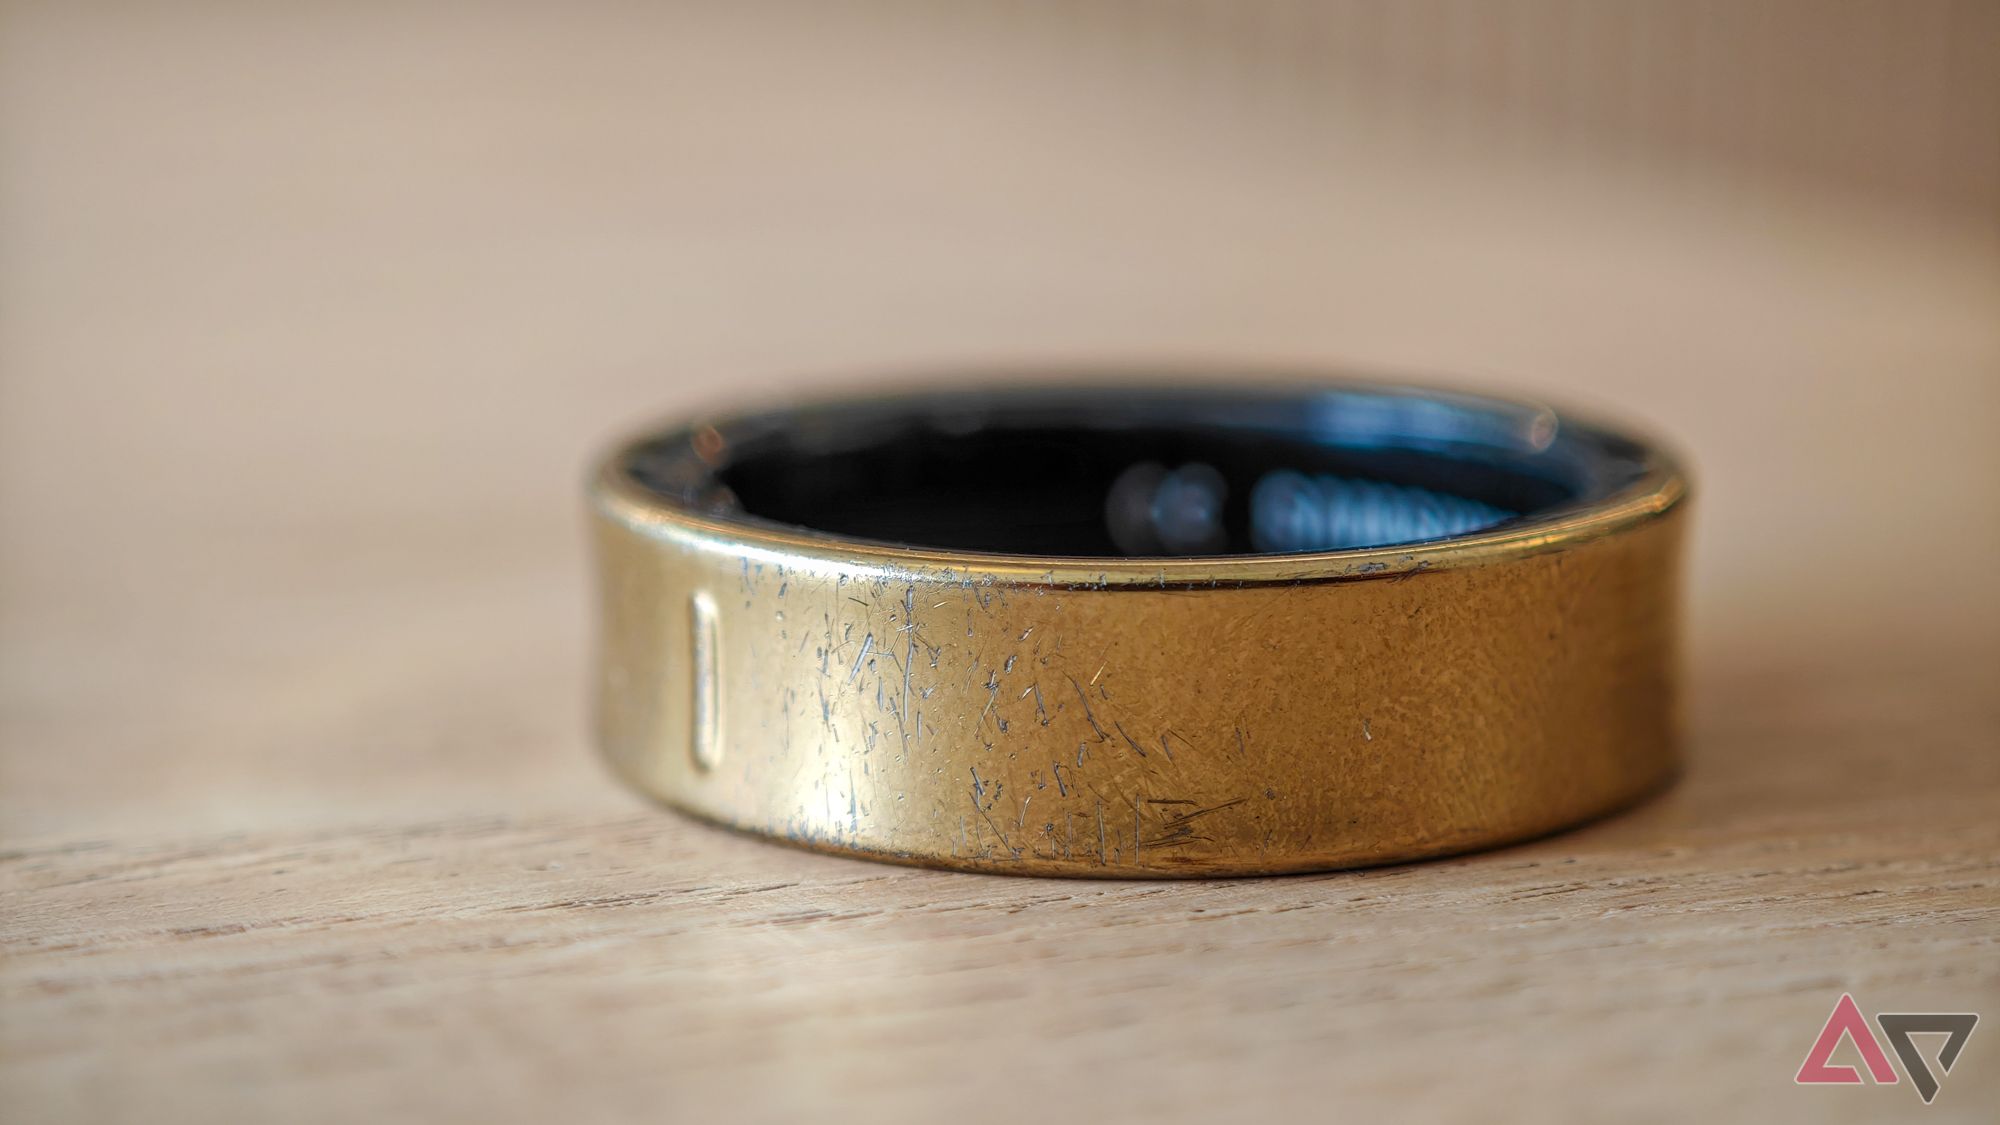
{"x":312,"y":316}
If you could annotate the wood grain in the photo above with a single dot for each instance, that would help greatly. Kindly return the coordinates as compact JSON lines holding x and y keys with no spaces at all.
{"x":310,"y":321}
{"x":606,"y":958}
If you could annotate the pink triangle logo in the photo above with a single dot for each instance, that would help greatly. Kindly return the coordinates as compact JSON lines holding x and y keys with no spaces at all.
{"x":1845,"y":1020}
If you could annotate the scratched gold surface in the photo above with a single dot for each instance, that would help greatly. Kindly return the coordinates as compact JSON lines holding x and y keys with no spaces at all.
{"x":1099,"y":717}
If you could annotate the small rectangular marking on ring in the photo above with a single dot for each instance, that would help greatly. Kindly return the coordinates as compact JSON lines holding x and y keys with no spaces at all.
{"x":704,"y":745}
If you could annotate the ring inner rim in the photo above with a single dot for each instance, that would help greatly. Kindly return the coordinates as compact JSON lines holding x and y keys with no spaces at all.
{"x":1020,"y":472}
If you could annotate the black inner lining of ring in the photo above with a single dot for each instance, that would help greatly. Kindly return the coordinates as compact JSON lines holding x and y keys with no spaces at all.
{"x":1034,"y":481}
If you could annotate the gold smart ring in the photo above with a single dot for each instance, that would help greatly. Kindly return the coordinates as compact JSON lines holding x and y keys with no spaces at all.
{"x":1119,"y":629}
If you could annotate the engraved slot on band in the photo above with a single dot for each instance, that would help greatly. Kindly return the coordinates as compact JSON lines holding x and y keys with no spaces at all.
{"x":703,"y":744}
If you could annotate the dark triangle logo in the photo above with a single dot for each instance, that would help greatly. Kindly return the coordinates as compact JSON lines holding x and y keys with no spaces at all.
{"x":1898,"y":1027}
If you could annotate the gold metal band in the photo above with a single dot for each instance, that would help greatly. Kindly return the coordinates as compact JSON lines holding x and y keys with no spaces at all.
{"x":1095,"y":716}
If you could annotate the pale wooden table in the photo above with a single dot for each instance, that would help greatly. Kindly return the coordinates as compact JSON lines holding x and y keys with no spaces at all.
{"x":309,"y":324}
